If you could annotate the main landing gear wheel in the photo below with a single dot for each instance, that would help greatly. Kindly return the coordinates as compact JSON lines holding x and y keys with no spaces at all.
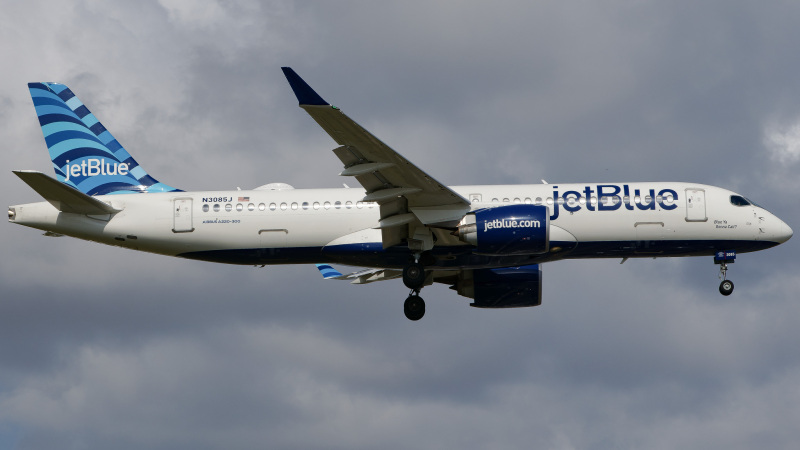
{"x":726,"y":287}
{"x":414,"y":307}
{"x":414,"y":276}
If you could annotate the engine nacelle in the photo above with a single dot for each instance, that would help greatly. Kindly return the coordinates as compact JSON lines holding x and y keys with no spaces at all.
{"x":507,"y":230}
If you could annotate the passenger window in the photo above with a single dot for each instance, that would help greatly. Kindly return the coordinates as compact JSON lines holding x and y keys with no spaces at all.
{"x":626,"y":199}
{"x":561,"y":200}
{"x":228,"y":207}
{"x":550,"y":201}
{"x":582,"y":201}
{"x":295,"y":205}
{"x":284,"y":206}
{"x":205,"y":208}
{"x":637,"y":199}
{"x":648,"y":199}
{"x":593,"y":200}
{"x":494,"y":200}
{"x":316,"y":205}
{"x":505,"y":200}
{"x":359,"y":205}
{"x":262,"y":207}
{"x":216,"y":208}
{"x":528,"y":200}
{"x":273,"y":206}
{"x":538,"y":201}
{"x":517,"y":200}
{"x":251,"y":207}
{"x":327,"y":205}
{"x":239,"y":207}
{"x":348,"y":205}
{"x":305,"y":205}
{"x":337,"y":205}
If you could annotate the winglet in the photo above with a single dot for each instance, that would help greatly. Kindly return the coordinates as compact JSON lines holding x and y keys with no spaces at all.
{"x":328,"y":272}
{"x":305,"y":95}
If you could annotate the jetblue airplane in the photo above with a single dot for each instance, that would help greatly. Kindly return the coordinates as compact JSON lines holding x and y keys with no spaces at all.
{"x":486,"y":242}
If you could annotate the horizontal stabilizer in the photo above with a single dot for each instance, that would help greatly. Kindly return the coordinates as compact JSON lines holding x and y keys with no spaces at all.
{"x":361,"y":277}
{"x":328,"y":272}
{"x":65,"y":198}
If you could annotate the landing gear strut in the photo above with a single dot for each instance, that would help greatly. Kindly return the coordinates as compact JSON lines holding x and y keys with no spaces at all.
{"x":723,"y":258}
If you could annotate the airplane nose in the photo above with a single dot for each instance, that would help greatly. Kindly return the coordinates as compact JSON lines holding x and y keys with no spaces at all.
{"x":784,"y":232}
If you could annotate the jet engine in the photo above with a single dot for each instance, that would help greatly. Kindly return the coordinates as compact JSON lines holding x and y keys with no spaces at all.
{"x":507,"y":230}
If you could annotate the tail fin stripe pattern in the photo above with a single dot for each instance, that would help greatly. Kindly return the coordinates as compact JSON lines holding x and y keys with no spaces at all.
{"x":47,"y":119}
{"x":84,"y":153}
{"x":82,"y":111}
{"x":48,"y":101}
{"x":53,"y":139}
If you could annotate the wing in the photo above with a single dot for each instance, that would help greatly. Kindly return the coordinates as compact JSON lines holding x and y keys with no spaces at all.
{"x":408,"y":197}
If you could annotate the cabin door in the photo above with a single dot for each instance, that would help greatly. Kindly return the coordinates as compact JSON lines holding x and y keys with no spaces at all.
{"x":182,"y":215}
{"x":696,"y":205}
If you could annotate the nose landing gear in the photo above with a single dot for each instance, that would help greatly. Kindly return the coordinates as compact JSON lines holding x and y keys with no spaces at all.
{"x":726,"y":287}
{"x":723,"y":258}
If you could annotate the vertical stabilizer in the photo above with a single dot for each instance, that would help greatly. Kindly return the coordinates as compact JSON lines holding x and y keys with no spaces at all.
{"x":85,"y":155}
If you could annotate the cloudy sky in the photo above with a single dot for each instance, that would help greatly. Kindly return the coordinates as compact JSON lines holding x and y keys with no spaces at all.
{"x":105,"y":348}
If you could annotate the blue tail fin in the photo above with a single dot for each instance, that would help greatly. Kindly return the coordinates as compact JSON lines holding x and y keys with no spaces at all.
{"x":84,"y":154}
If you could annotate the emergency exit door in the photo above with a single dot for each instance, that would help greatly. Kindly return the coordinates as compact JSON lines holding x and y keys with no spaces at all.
{"x":696,"y":205}
{"x":182,"y":215}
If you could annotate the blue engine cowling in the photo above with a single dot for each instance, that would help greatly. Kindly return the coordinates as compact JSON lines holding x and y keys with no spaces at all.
{"x":509,"y":287}
{"x":507,"y":230}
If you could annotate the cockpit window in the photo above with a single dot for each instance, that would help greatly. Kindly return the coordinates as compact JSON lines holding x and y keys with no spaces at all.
{"x":738,"y":200}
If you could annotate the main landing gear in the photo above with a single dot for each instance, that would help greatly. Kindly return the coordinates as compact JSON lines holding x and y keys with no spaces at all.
{"x":414,"y":279}
{"x":723,"y":258}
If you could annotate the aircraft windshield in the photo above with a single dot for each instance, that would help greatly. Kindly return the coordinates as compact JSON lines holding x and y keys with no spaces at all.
{"x":738,"y":200}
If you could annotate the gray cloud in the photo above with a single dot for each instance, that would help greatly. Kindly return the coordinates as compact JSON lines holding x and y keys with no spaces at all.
{"x":104,"y":347}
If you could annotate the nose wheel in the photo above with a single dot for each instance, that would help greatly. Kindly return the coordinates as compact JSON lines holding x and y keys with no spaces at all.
{"x":723,"y":258}
{"x":726,"y":287}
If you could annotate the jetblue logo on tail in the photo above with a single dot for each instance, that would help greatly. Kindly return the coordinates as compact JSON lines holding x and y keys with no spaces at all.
{"x":93,"y":167}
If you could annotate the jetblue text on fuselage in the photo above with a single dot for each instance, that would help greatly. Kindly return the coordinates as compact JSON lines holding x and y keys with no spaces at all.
{"x":609,"y":199}
{"x":94,"y":166}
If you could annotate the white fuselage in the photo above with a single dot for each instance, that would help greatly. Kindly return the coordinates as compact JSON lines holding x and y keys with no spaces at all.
{"x":308,"y":225}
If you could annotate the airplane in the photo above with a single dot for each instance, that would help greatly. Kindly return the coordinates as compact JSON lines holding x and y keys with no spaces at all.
{"x":486,"y":242}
